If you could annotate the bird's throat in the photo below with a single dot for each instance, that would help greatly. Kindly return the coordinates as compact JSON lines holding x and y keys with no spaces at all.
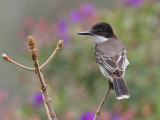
{"x":99,"y":39}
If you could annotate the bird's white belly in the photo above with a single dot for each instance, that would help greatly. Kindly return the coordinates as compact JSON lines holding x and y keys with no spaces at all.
{"x":125,"y":66}
{"x":105,"y":73}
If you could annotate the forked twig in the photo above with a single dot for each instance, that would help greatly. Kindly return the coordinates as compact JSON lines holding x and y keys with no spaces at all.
{"x":47,"y":100}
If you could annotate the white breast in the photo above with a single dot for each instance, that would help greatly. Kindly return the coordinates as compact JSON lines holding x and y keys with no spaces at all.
{"x":98,"y":39}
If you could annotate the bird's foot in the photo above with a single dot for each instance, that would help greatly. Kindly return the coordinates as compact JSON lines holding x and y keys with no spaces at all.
{"x":110,"y":84}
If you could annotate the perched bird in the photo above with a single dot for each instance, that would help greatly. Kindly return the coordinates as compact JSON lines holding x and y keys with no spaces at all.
{"x":111,"y":55}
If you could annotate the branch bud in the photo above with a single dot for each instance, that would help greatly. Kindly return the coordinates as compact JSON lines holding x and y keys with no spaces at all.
{"x":32,"y":48}
{"x":5,"y":56}
{"x":60,"y":44}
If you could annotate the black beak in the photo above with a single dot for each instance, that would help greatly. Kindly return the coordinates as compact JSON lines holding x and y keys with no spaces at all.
{"x":85,"y":33}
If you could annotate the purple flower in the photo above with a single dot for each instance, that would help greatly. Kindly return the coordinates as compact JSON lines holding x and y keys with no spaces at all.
{"x":87,"y":9}
{"x":37,"y":99}
{"x":115,"y":116}
{"x":61,"y":29}
{"x":87,"y":116}
{"x":133,"y":2}
{"x":75,"y":16}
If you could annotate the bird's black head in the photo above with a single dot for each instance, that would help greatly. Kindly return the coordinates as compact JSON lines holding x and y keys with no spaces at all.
{"x":100,"y":29}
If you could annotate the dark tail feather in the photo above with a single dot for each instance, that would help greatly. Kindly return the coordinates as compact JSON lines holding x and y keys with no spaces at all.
{"x":120,"y":88}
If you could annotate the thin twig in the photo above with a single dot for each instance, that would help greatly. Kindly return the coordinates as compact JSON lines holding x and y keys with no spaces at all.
{"x":47,"y":100}
{"x":102,"y":102}
{"x":7,"y":58}
{"x":59,"y":45}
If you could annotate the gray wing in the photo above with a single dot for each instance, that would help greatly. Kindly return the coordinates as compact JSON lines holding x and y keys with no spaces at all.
{"x":112,"y":63}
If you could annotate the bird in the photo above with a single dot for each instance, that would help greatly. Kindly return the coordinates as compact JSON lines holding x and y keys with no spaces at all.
{"x":111,"y":55}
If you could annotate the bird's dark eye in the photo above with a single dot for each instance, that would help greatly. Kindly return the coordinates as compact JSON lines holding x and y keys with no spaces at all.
{"x":99,"y":31}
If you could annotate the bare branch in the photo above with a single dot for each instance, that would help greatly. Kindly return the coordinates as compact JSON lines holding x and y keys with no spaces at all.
{"x":59,"y":45}
{"x":7,"y":58}
{"x":102,"y":102}
{"x":46,"y":98}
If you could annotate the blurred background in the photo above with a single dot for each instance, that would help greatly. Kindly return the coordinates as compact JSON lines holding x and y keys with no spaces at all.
{"x":74,"y":80}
